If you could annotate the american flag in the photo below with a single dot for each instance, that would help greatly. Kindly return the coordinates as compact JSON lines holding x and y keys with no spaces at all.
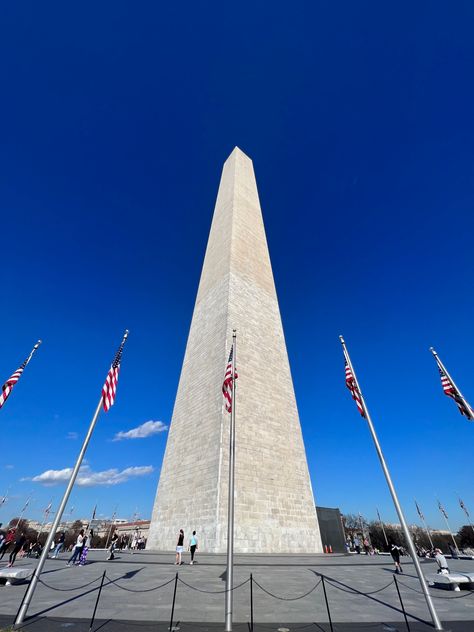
{"x":352,"y":386}
{"x":227,"y":384}
{"x":464,"y":508}
{"x":110,"y":386}
{"x":442,"y":509}
{"x":13,"y":379}
{"x":419,"y":511}
{"x":451,"y":391}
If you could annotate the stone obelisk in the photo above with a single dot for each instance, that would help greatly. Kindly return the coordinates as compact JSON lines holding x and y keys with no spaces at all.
{"x":274,"y":505}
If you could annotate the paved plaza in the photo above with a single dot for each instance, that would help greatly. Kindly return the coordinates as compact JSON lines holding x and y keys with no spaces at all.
{"x":133,"y":599}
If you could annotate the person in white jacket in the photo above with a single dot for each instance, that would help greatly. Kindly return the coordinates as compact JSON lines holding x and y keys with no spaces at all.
{"x":77,"y":548}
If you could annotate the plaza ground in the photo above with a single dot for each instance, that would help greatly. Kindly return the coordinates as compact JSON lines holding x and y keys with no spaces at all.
{"x":138,"y":593}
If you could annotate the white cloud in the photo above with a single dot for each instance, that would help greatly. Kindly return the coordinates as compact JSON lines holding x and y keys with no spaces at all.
{"x":147,"y":429}
{"x":88,"y":478}
{"x":9,"y":467}
{"x":72,"y":435}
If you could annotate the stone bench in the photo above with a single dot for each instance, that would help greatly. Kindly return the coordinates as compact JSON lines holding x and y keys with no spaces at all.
{"x":452,"y":580}
{"x":14,"y":575}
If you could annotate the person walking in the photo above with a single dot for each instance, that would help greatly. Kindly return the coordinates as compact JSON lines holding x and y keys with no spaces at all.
{"x":179,"y":547}
{"x":77,"y":548}
{"x":112,"y":546}
{"x":59,"y":545}
{"x":19,"y":544}
{"x":7,"y":542}
{"x":85,"y":548}
{"x":193,"y":545}
{"x":395,"y":552}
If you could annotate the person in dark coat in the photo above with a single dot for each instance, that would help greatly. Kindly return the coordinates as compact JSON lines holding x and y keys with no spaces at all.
{"x":395,"y":552}
{"x":19,"y":544}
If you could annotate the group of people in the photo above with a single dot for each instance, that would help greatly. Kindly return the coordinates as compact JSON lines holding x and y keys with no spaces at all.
{"x":192,"y":548}
{"x":15,"y":541}
{"x":81,"y":548}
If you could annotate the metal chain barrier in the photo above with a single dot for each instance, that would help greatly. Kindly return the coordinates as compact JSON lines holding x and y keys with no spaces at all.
{"x":213,"y":592}
{"x":355,"y":591}
{"x":69,"y":589}
{"x":287,"y":598}
{"x":468,"y":593}
{"x":133,"y":590}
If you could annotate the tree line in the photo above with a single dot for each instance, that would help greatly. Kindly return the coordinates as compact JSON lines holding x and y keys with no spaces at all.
{"x":355,"y":525}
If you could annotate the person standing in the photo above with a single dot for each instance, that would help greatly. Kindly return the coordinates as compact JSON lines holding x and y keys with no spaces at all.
{"x":179,"y":547}
{"x":19,"y":544}
{"x":357,"y":545}
{"x":395,"y":552}
{"x":59,"y":545}
{"x":77,"y":548}
{"x":193,"y":545}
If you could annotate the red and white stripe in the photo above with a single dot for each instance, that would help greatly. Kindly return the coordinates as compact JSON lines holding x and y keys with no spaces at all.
{"x":10,"y":383}
{"x":227,"y":386}
{"x":451,"y":391}
{"x":109,"y":389}
{"x":352,"y":386}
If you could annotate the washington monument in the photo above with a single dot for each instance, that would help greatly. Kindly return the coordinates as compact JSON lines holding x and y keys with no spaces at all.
{"x":274,"y":505}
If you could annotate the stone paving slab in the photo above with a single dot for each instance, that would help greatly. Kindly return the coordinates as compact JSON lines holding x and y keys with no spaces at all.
{"x":68,"y":594}
{"x":48,"y":624}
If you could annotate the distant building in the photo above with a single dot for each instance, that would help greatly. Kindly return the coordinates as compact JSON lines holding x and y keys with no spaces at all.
{"x":141,"y":527}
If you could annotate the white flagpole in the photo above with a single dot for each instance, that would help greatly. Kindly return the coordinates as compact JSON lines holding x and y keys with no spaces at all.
{"x":4,"y":499}
{"x":422,"y":518}
{"x":229,"y":580}
{"x":464,"y":508}
{"x":37,"y":572}
{"x":110,"y":529}
{"x":23,"y":510}
{"x":464,"y":401}
{"x":401,"y":517}
{"x":441,"y":509}
{"x":26,"y":362}
{"x":45,"y":517}
{"x":383,"y":528}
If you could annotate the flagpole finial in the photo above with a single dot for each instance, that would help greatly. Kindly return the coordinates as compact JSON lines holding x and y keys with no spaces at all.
{"x":433,"y":351}
{"x":341,"y":339}
{"x":37,"y":344}
{"x":125,"y":335}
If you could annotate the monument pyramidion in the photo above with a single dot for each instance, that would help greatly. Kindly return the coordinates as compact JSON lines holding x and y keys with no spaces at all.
{"x":274,"y":505}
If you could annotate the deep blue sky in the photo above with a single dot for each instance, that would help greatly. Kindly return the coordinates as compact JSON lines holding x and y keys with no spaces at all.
{"x":115,"y":120}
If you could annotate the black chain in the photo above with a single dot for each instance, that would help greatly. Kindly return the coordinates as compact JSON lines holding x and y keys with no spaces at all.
{"x":69,"y":589}
{"x":469,"y":593}
{"x":213,"y":592}
{"x":144,"y":590}
{"x":286,"y":598}
{"x":356,"y":591}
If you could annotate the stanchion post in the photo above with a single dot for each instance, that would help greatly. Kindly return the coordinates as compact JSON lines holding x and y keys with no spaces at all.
{"x":174,"y":599}
{"x":21,"y":603}
{"x":401,"y":603}
{"x":327,"y":603}
{"x":251,"y":602}
{"x":97,"y":601}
